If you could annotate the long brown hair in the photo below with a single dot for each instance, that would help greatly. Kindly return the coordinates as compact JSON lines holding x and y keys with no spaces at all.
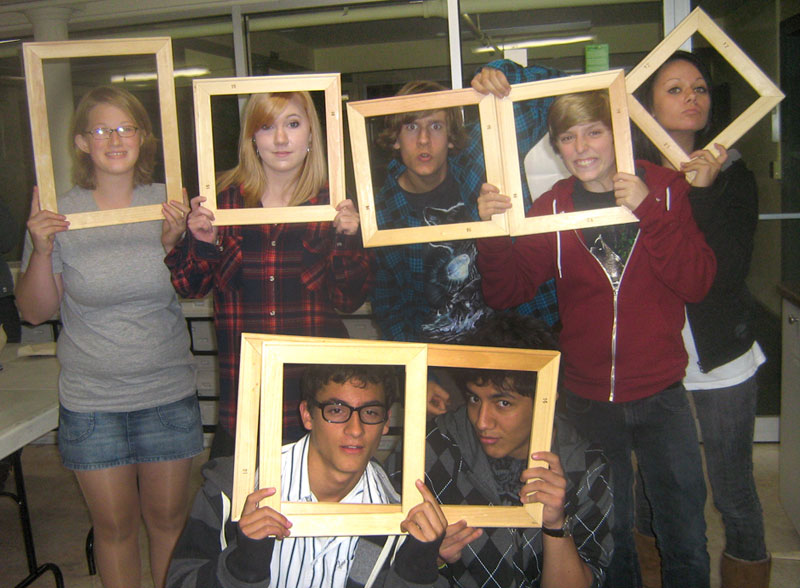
{"x":263,"y":109}
{"x":82,"y":165}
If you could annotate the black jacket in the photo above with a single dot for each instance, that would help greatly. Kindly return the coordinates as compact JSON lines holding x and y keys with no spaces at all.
{"x":727,"y":213}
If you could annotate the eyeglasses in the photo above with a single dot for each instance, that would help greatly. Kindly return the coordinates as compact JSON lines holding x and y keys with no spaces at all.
{"x":339,"y":412}
{"x":104,"y":133}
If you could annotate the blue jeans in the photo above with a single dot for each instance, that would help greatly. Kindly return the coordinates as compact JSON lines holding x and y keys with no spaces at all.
{"x":727,"y":419}
{"x":98,"y":440}
{"x":660,"y":430}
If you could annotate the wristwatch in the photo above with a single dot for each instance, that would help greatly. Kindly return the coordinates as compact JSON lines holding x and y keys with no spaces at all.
{"x":564,"y":531}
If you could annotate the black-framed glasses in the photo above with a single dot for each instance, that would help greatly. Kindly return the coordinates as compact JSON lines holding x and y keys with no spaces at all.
{"x":340,"y":412}
{"x":104,"y":133}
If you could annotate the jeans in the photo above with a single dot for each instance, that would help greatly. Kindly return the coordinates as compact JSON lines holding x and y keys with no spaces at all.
{"x":660,"y":430}
{"x":98,"y":440}
{"x":727,"y":419}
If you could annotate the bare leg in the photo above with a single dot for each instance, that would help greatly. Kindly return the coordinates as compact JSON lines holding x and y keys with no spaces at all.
{"x":164,"y":494}
{"x":113,"y":501}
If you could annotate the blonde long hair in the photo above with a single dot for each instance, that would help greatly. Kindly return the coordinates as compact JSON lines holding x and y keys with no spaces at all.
{"x":263,"y":109}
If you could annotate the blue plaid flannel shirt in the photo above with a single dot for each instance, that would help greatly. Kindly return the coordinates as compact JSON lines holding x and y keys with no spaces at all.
{"x":398,"y":300}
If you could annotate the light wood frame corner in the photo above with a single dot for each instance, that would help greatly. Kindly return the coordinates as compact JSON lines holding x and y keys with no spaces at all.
{"x":614,"y":82}
{"x":545,"y":364}
{"x":330,"y":84}
{"x":34,"y":54}
{"x":769,"y":95}
{"x":358,"y":112}
{"x":260,"y":411}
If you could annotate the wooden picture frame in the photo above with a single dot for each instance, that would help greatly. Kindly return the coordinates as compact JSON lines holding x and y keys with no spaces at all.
{"x":358,"y":112}
{"x":161,"y":47}
{"x":546,"y":364}
{"x":260,"y":411}
{"x":330,"y":84}
{"x":614,"y":82}
{"x":699,"y":22}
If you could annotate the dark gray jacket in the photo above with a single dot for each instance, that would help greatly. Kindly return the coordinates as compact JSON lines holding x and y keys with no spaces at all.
{"x":198,"y":560}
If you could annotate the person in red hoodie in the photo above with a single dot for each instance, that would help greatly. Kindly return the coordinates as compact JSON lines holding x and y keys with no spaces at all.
{"x":621,"y":295}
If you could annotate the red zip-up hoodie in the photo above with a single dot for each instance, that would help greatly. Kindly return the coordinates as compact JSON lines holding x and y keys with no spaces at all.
{"x":618,"y":344}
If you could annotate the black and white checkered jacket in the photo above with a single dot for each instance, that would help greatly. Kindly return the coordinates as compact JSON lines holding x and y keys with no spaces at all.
{"x":458,"y":472}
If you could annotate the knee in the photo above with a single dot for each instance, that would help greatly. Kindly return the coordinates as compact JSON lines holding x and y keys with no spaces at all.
{"x":165,"y":517}
{"x":116,"y":527}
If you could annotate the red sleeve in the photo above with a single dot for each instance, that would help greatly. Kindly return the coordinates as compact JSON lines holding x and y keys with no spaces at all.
{"x":512,"y":270}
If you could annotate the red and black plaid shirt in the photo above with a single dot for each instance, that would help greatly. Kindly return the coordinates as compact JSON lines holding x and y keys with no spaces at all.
{"x":285,"y":278}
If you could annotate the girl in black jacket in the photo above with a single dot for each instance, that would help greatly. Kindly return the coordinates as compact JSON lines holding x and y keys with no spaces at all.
{"x":723,"y":353}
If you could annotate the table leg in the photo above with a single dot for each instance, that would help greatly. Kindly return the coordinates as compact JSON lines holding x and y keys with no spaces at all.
{"x":35,"y":570}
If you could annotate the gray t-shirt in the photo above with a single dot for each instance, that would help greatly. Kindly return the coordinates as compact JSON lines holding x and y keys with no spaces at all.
{"x":124,"y":345}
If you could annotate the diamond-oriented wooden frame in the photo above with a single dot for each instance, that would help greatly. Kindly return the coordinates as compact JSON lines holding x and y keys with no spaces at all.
{"x":699,"y":22}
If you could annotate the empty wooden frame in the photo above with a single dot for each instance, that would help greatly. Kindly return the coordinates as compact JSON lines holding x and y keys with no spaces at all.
{"x":260,"y":411}
{"x":161,"y":48}
{"x":614,"y":82}
{"x":545,"y":363}
{"x":330,"y":84}
{"x":699,"y":22}
{"x":358,"y":112}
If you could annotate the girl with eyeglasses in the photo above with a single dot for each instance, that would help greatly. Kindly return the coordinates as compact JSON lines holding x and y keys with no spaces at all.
{"x":288,"y":278}
{"x":129,"y":421}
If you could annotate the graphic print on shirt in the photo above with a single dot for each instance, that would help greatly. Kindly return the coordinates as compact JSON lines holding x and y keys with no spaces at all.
{"x":452,"y":281}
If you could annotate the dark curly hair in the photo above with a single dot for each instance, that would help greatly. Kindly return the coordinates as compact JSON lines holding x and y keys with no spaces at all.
{"x":507,"y":329}
{"x":316,"y":376}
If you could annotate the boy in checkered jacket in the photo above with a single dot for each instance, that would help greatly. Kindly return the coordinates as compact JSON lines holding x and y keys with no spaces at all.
{"x":478,"y":455}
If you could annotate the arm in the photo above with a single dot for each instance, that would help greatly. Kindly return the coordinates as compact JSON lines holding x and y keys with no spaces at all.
{"x":195,"y":259}
{"x":512,"y":270}
{"x":174,"y":225}
{"x":352,"y":268}
{"x":726,"y":212}
{"x":562,"y":566}
{"x":415,"y":563}
{"x":344,"y":269}
{"x":530,"y":115}
{"x":198,"y":562}
{"x":39,"y":289}
{"x":677,"y":251}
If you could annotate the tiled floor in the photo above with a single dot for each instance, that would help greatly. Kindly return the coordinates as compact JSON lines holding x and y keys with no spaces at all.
{"x":60,"y":523}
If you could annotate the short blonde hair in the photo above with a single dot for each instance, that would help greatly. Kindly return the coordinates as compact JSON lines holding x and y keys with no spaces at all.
{"x":82,"y":165}
{"x":456,"y":133}
{"x":263,"y":109}
{"x":569,"y":110}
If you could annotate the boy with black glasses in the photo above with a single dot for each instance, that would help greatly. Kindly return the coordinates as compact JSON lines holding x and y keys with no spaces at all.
{"x":346,"y":411}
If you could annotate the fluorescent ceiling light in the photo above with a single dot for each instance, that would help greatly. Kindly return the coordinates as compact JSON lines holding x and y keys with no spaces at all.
{"x":188,"y":72}
{"x":536,"y":43}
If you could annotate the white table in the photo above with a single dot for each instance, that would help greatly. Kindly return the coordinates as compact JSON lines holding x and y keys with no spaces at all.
{"x":28,"y":410}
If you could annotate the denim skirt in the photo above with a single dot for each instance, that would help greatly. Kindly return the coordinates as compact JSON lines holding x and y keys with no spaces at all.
{"x":97,"y":440}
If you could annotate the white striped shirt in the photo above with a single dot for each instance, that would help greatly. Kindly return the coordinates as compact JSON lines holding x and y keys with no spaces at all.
{"x":320,"y":561}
